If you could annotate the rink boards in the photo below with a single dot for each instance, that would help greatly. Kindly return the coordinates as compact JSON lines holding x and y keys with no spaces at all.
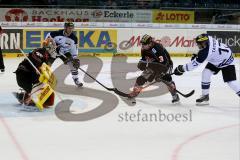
{"x":108,"y":42}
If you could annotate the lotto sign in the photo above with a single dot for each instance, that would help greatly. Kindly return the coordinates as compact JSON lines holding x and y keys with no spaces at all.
{"x":89,"y":40}
{"x":160,"y":16}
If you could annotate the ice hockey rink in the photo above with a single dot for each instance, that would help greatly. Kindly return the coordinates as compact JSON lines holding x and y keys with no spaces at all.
{"x":212,"y":132}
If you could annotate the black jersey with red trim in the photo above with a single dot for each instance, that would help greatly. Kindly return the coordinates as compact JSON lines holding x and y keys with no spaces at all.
{"x":155,"y":52}
{"x":37,"y":57}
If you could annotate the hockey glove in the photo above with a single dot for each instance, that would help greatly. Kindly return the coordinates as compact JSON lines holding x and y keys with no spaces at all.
{"x":135,"y":92}
{"x":179,"y":70}
{"x":193,"y":56}
{"x":65,"y":57}
{"x":142,"y":65}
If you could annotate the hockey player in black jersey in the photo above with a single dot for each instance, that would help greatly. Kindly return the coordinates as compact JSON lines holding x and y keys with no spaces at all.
{"x":27,"y":76}
{"x":67,"y":49}
{"x":156,"y":64}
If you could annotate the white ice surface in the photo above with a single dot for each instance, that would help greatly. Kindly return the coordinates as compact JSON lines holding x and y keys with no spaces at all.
{"x":213,"y":133}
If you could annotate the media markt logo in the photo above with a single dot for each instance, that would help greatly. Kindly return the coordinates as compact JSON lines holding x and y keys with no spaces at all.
{"x":16,"y":15}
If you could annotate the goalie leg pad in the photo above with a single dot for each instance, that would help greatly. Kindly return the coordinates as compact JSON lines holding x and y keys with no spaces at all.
{"x":40,"y":94}
{"x":50,"y":101}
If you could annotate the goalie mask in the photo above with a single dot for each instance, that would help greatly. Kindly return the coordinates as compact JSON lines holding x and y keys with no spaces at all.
{"x":50,"y":46}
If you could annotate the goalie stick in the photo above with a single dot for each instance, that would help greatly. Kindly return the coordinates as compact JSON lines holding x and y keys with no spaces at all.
{"x":38,"y":72}
{"x":120,"y":93}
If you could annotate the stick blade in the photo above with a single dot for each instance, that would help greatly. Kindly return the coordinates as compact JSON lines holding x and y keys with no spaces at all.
{"x":120,"y":93}
{"x":190,"y":94}
{"x":187,"y":95}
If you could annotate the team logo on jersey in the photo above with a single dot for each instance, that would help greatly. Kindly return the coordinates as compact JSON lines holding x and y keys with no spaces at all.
{"x":154,"y":50}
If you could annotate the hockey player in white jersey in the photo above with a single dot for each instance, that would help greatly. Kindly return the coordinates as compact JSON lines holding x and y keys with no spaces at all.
{"x":219,"y":57}
{"x":67,"y":50}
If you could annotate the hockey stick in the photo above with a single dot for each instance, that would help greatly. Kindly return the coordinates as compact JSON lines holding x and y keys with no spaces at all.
{"x":182,"y":94}
{"x":186,"y":95}
{"x":109,"y":89}
{"x":29,"y":61}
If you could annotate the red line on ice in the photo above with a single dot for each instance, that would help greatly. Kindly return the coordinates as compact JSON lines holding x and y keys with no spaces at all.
{"x":14,"y":139}
{"x":183,"y":144}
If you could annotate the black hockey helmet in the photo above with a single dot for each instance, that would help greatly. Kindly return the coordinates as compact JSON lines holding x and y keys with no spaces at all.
{"x":68,"y":24}
{"x":201,"y":38}
{"x":146,"y":39}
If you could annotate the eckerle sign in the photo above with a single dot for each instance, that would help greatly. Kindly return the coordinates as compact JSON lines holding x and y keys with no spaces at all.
{"x":115,"y":14}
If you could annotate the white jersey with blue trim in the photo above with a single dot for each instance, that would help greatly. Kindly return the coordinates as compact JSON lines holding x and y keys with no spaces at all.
{"x":216,"y":53}
{"x":65,"y":43}
{"x":219,"y":54}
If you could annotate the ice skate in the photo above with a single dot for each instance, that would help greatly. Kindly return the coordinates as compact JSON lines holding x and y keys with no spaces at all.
{"x":77,"y":82}
{"x":19,"y":96}
{"x":24,"y":98}
{"x":203,"y":100}
{"x":175,"y":99}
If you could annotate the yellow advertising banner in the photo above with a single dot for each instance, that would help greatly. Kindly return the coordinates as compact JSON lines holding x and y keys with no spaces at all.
{"x":164,"y":16}
{"x":89,"y":40}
